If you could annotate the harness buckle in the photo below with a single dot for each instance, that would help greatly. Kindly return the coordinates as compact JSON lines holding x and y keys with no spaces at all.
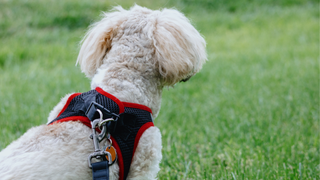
{"x":97,"y":111}
{"x":91,"y":112}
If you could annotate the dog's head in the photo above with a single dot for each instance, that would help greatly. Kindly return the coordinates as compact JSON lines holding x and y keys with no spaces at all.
{"x":177,"y":50}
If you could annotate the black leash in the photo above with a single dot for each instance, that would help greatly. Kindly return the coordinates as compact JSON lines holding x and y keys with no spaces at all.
{"x":100,"y":170}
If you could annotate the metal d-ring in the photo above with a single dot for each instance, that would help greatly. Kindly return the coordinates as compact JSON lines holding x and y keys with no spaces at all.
{"x":100,"y":113}
{"x":102,"y":122}
{"x":102,"y":126}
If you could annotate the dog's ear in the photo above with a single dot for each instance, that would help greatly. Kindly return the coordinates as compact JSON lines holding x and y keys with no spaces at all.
{"x":97,"y":42}
{"x":180,"y":49}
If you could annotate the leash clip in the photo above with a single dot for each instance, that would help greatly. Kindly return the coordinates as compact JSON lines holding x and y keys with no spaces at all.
{"x":97,"y":138}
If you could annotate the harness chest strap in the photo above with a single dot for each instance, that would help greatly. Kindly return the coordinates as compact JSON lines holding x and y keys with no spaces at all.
{"x":135,"y":119}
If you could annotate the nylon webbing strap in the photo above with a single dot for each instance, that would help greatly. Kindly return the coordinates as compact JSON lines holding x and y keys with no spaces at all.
{"x":100,"y":170}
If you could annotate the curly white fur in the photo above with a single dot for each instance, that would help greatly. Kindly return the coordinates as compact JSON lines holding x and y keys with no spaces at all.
{"x":131,"y":54}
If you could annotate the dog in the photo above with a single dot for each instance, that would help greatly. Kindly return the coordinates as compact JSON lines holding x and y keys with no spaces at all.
{"x":130,"y":55}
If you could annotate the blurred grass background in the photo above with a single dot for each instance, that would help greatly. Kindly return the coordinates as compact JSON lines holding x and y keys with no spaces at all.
{"x":251,"y":113}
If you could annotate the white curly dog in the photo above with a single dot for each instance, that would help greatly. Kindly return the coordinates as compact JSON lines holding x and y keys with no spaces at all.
{"x":131,"y":54}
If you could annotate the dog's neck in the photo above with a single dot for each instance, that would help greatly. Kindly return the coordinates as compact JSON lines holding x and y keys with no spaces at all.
{"x":128,"y":71}
{"x":129,"y":86}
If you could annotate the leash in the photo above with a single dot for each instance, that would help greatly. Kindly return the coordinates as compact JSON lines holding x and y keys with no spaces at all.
{"x":105,"y":156}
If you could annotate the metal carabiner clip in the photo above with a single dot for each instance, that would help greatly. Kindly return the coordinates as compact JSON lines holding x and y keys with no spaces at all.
{"x":97,"y":138}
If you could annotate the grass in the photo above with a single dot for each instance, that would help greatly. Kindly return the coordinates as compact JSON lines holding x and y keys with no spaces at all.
{"x":251,"y":113}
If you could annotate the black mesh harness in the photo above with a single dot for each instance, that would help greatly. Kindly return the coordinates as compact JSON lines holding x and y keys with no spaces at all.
{"x":132,"y":120}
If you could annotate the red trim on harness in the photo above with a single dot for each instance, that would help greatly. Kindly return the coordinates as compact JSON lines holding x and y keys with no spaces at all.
{"x":116,"y":100}
{"x":82,"y":119}
{"x":68,"y":102}
{"x":137,"y":106}
{"x":120,"y":159}
{"x":139,"y":134}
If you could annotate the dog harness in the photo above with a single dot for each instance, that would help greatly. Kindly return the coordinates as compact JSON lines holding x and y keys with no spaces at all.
{"x":130,"y":121}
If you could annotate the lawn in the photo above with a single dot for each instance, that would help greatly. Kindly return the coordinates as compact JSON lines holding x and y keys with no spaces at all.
{"x":251,"y":113}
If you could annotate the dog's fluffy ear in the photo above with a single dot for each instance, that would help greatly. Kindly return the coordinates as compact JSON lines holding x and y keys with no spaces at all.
{"x":98,"y":39}
{"x":180,"y":49}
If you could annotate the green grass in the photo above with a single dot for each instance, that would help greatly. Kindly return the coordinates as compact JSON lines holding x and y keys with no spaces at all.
{"x":251,"y":113}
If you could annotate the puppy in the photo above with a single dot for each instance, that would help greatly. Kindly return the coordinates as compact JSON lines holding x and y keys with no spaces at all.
{"x":130,"y":55}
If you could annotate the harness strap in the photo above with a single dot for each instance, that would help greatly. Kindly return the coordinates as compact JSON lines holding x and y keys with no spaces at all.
{"x":132,"y":120}
{"x":100,"y":170}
